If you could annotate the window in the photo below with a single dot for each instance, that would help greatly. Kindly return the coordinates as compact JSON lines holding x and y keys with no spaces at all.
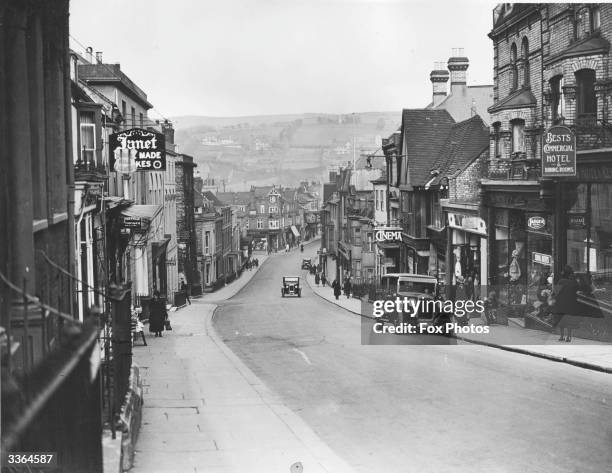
{"x":557,"y":98}
{"x":370,"y":242}
{"x":259,"y":223}
{"x":262,"y":209}
{"x":207,"y":243}
{"x":273,"y":210}
{"x":356,"y":236}
{"x":88,"y":137}
{"x":272,"y":199}
{"x":513,"y":68}
{"x":497,"y":139}
{"x":141,"y":120}
{"x":273,"y":224}
{"x":124,"y":110}
{"x":247,"y":224}
{"x":586,"y":101}
{"x":377,"y":200}
{"x":518,"y":136}
{"x":525,"y":54}
{"x":133,"y":116}
{"x":595,"y":19}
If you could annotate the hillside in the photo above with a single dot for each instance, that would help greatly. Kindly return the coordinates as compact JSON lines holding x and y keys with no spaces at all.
{"x":284,"y":148}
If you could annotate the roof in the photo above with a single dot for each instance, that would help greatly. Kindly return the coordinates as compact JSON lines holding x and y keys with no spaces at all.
{"x":465,"y":102}
{"x":142,"y":211}
{"x":517,"y":99}
{"x":262,"y":191}
{"x":213,"y":199}
{"x":424,"y":132}
{"x":112,"y":74}
{"x":235,"y":198}
{"x":465,"y":142}
{"x":590,"y":45}
{"x":328,"y":190}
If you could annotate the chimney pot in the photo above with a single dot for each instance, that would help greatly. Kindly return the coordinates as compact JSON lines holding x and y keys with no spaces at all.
{"x":99,"y":57}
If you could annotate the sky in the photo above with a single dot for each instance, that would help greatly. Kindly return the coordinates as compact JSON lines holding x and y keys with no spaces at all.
{"x":261,"y":57}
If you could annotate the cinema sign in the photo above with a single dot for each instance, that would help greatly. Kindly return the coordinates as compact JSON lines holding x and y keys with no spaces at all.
{"x":382,"y":234}
{"x":137,"y":149}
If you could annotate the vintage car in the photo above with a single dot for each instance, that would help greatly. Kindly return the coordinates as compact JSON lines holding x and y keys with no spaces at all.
{"x":306,"y":263}
{"x":414,"y":287}
{"x":291,"y":286}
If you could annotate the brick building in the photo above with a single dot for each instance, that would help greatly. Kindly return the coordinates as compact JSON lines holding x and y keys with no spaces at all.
{"x":552,"y":67}
{"x":185,"y":223}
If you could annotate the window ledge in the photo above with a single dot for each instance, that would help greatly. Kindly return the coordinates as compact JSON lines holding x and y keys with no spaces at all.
{"x":39,"y":225}
{"x":58,"y":218}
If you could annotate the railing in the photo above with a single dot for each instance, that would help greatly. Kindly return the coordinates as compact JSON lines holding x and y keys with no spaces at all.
{"x":52,"y":404}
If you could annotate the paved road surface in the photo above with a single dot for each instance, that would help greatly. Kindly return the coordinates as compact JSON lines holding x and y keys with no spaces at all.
{"x":387,"y":409}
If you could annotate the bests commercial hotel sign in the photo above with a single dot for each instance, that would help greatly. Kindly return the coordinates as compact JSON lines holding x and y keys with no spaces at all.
{"x":558,"y":152}
{"x":137,"y":150}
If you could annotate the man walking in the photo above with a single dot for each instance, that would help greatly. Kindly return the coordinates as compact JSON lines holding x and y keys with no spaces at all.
{"x":185,"y":289}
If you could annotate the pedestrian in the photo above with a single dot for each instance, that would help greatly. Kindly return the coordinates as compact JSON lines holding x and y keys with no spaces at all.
{"x":317,"y":279}
{"x":287,"y":248}
{"x":157,"y":314}
{"x":323,"y":279}
{"x":565,"y":308}
{"x":347,"y":288}
{"x":336,"y":288}
{"x":185,"y":289}
{"x":256,"y":262}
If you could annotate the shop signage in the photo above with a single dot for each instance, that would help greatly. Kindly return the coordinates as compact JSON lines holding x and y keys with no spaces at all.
{"x":467,"y":223}
{"x":576,"y":221}
{"x":382,"y":234}
{"x":137,"y":150}
{"x":542,"y":258}
{"x":536,"y":222}
{"x":558,"y":152}
{"x":132,"y":222}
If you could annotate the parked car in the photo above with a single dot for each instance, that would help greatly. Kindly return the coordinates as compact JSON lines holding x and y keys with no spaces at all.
{"x":291,"y":286}
{"x":306,"y":263}
{"x":416,"y":287}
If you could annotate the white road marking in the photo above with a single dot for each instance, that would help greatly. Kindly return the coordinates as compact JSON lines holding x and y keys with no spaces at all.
{"x":303,"y":355}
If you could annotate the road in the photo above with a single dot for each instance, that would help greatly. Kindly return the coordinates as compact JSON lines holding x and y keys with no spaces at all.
{"x":416,"y":408}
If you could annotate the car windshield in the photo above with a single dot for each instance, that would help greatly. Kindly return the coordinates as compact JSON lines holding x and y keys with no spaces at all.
{"x":291,"y":280}
{"x":423,"y":287}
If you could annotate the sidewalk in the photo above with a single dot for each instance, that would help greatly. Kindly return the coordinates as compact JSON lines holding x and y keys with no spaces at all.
{"x":582,"y":353}
{"x":205,"y":411}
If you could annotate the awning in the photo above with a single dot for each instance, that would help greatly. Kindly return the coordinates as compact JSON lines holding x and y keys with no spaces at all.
{"x":295,"y":231}
{"x":147,"y":212}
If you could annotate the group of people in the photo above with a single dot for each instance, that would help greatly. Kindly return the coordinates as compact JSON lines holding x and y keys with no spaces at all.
{"x":252,"y":263}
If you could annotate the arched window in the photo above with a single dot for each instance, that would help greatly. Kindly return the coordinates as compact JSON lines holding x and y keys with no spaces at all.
{"x":586,"y":101}
{"x":518,"y":136}
{"x":595,"y":19}
{"x":557,"y":98}
{"x":525,"y":55}
{"x":513,"y":67}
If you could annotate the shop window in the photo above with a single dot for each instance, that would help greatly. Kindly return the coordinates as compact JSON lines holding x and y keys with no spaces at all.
{"x":525,"y":55}
{"x":518,"y":136}
{"x":586,"y":101}
{"x":513,"y":68}
{"x":558,"y":99}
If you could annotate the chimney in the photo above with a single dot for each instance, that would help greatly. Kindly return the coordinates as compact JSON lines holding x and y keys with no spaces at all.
{"x":99,"y":57}
{"x":89,"y":53}
{"x":457,"y":65}
{"x":168,"y":132}
{"x":439,"y":78}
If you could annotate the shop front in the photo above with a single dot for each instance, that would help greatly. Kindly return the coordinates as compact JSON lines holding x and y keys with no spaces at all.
{"x":468,"y":252}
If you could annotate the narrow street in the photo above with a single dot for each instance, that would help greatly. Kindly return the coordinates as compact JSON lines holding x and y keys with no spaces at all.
{"x":415,"y":408}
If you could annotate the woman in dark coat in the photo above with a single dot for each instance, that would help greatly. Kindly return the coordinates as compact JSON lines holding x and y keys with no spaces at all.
{"x":317,"y":279}
{"x":566,"y":313}
{"x":157,"y":315}
{"x":336,"y":287}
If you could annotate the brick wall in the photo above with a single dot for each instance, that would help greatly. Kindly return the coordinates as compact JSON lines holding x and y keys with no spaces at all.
{"x":466,"y":186}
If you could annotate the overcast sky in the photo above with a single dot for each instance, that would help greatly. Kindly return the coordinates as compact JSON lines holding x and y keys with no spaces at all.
{"x":248,"y":57}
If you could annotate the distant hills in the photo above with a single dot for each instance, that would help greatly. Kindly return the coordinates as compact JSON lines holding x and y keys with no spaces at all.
{"x":282,"y":148}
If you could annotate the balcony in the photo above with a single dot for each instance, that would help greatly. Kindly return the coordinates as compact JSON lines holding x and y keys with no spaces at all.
{"x":89,"y":171}
{"x":591,"y":132}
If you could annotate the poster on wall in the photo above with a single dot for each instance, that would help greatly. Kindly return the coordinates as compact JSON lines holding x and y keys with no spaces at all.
{"x":137,"y":149}
{"x":559,"y":152}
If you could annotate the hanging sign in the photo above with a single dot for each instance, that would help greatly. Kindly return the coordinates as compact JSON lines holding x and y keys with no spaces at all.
{"x":137,"y":150}
{"x":558,"y":152}
{"x":536,"y":222}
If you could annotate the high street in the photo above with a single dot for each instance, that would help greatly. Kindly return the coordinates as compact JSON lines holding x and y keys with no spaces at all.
{"x":415,"y":408}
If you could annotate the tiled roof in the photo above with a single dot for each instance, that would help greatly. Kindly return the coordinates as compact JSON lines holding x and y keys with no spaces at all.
{"x":213,"y":199}
{"x":262,"y":191}
{"x":235,"y":198}
{"x":467,"y":101}
{"x":424,"y":131}
{"x":465,"y":142}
